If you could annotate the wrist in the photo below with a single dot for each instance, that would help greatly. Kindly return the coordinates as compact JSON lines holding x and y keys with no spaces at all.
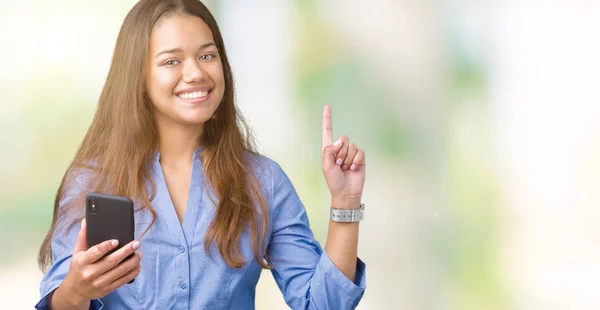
{"x":342,"y":203}
{"x":69,"y":298}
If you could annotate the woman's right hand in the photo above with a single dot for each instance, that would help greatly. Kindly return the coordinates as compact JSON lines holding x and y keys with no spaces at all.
{"x":90,"y":276}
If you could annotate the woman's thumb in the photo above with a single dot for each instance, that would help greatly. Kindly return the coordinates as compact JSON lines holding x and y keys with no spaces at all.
{"x":81,"y":243}
{"x":329,"y":153}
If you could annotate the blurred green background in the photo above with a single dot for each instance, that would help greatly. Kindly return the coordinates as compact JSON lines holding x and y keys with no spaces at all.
{"x":480,"y":123}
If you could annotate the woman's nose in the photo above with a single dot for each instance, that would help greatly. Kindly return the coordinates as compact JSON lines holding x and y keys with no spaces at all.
{"x":193,"y":73}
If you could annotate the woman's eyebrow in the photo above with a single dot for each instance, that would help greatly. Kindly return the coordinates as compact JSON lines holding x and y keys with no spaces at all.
{"x":179,"y":50}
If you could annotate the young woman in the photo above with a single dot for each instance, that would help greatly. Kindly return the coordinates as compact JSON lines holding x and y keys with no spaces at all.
{"x":211,"y":213}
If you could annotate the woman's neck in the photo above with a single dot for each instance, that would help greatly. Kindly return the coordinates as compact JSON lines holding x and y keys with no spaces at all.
{"x":176,"y":144}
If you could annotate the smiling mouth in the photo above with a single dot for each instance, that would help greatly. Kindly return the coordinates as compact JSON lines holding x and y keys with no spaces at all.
{"x":193,"y":95}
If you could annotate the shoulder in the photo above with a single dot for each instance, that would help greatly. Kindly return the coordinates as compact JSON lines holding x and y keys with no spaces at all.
{"x":274,"y":181}
{"x":269,"y":173}
{"x":78,"y":180}
{"x":83,"y":175}
{"x":265,"y":168}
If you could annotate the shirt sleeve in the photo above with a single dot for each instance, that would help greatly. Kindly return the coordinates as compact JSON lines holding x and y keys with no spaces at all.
{"x":302,"y":270}
{"x":63,"y":242}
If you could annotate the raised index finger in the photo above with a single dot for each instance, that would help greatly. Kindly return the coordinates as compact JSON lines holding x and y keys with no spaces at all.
{"x":326,"y":127}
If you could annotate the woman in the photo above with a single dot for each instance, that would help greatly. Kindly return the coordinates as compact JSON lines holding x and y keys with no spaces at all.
{"x":211,"y":212}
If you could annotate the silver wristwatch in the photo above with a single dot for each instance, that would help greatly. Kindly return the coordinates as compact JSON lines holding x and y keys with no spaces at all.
{"x":347,"y":216}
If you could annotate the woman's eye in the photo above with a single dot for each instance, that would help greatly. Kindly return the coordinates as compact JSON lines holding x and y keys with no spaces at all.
{"x":171,"y":62}
{"x":207,"y":57}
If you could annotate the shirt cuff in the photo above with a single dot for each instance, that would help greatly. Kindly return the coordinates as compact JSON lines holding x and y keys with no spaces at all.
{"x":44,"y":303}
{"x":355,"y":288}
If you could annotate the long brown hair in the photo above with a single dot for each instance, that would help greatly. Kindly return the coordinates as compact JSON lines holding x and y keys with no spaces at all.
{"x":123,"y":131}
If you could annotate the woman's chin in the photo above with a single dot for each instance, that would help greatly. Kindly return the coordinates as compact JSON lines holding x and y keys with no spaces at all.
{"x":195,"y":119}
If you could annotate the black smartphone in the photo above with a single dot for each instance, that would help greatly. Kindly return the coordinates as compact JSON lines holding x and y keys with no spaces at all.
{"x":109,"y":217}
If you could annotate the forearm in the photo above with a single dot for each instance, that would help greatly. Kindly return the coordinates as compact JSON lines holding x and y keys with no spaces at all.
{"x":61,"y":299}
{"x":342,"y":241}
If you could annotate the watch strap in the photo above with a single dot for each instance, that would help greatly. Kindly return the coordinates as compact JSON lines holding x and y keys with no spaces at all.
{"x":347,"y":216}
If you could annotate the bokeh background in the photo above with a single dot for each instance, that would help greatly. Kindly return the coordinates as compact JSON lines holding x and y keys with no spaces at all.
{"x":480,"y":120}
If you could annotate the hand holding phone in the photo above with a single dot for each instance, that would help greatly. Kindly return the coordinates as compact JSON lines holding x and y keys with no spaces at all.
{"x":94,"y":273}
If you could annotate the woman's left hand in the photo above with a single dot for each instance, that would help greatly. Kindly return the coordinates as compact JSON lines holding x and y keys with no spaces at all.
{"x":343,"y":165}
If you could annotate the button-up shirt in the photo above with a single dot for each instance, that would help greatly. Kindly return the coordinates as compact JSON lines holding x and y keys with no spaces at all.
{"x":177,"y":273}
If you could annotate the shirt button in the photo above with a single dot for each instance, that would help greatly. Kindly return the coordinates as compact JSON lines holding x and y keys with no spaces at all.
{"x":182,"y":285}
{"x":181,"y":249}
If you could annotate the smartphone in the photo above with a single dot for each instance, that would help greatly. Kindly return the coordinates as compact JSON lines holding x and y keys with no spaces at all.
{"x":109,"y":217}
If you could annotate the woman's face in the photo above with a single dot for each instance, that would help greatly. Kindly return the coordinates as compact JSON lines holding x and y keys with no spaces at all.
{"x":185,"y":77}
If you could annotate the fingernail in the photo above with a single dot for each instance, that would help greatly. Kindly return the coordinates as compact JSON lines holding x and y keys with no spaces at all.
{"x":337,"y":142}
{"x":344,"y":167}
{"x":338,"y":162}
{"x":141,"y":254}
{"x":136,"y":245}
{"x":114,"y":243}
{"x":353,"y":167}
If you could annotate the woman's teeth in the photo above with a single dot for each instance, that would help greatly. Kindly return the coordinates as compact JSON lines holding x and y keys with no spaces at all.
{"x":193,"y":95}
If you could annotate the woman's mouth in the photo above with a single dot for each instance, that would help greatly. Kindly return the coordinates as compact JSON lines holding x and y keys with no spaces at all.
{"x":194,"y":96}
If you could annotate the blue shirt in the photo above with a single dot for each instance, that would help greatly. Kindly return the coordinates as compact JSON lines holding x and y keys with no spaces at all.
{"x":178,"y":274}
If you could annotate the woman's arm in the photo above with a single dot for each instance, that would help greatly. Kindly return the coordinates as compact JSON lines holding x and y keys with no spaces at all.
{"x":308,"y":277}
{"x":78,"y":276}
{"x":305,"y":274}
{"x":342,"y":241}
{"x":343,"y":165}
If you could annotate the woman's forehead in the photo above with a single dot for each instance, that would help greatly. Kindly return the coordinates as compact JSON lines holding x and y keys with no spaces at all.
{"x":180,"y":31}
